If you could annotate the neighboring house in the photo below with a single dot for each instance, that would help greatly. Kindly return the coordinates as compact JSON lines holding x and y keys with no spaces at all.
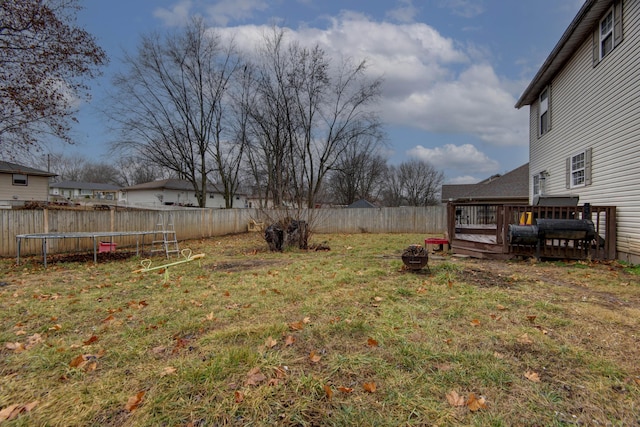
{"x":362,"y":203}
{"x":584,"y":116}
{"x":512,"y":188}
{"x":172,"y":192}
{"x":82,"y":190}
{"x":19,"y":184}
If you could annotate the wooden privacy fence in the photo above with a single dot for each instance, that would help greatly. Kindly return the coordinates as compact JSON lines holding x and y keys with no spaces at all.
{"x":202,"y":223}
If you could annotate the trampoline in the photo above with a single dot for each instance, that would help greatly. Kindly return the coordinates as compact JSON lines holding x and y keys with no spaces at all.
{"x":81,"y":235}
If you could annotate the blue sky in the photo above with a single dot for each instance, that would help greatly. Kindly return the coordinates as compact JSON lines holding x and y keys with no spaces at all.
{"x":453,"y":69}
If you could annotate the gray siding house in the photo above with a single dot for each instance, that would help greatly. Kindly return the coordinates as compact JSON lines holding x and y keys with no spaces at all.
{"x":584,"y":110}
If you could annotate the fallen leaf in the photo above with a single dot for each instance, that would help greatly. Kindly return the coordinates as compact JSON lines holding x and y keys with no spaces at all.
{"x":328,"y":391}
{"x":306,"y":320}
{"x":289,"y":340}
{"x":377,"y":299}
{"x":501,"y":307}
{"x":369,"y":387}
{"x":531,"y":318}
{"x":238,"y":396}
{"x":56,"y":327}
{"x":85,"y":361}
{"x":168,"y":371}
{"x":296,"y":326}
{"x":13,"y":411}
{"x":455,"y":399}
{"x":314,"y":357}
{"x":270,"y":342}
{"x":372,"y":343}
{"x":134,"y":401}
{"x":525,"y":339}
{"x":108,"y":319}
{"x":475,"y":404}
{"x":532,"y":376}
{"x":211,"y":317}
{"x":345,"y":389}
{"x":91,"y":340}
{"x":255,"y":377}
{"x":15,"y":346}
{"x":475,"y":322}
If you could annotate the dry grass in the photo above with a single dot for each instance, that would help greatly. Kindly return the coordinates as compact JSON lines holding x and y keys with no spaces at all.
{"x":344,"y":337}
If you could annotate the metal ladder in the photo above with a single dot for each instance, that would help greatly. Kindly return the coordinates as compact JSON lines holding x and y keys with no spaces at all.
{"x":165,"y":237}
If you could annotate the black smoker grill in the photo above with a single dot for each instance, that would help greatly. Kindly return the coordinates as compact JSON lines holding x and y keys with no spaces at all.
{"x":578,"y":231}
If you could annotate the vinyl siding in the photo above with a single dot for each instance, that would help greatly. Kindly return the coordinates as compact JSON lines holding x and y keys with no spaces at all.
{"x":37,"y":188}
{"x":598,"y":107}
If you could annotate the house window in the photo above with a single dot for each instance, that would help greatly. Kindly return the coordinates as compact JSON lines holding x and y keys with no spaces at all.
{"x":578,"y":170}
{"x":20,"y":179}
{"x":536,"y":185}
{"x":606,"y":34}
{"x":211,"y":195}
{"x":544,"y":111}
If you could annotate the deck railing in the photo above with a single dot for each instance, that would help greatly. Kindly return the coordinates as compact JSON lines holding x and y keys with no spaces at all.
{"x":485,"y":227}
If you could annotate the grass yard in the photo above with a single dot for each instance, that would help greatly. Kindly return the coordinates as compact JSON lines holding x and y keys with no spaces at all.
{"x":345,"y":337}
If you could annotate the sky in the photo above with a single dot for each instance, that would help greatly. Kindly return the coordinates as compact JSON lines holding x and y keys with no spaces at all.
{"x":452,"y":69}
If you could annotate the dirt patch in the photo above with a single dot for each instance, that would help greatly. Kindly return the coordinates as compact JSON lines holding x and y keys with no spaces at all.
{"x":238,"y":266}
{"x":88,"y":257}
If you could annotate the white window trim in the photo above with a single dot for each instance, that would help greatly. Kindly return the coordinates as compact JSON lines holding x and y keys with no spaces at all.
{"x":610,"y":32}
{"x":536,"y":183}
{"x":573,"y":171}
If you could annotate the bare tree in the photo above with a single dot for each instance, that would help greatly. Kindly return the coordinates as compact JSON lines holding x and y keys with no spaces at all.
{"x":307,"y":114}
{"x":135,"y":170}
{"x":359,"y":174}
{"x":171,"y":103}
{"x":413,"y":183}
{"x":44,"y":59}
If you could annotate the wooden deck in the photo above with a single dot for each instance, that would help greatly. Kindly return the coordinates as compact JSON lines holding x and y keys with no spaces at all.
{"x":481,"y":231}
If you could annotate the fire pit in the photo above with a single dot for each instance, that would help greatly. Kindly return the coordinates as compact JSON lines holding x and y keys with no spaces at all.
{"x":415,"y":257}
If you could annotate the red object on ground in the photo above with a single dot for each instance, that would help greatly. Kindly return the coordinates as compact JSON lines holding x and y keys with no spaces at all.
{"x":106,"y":247}
{"x":429,"y":242}
{"x":436,"y":241}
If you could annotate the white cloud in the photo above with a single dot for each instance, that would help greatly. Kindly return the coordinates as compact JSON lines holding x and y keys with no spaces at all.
{"x":177,"y":15}
{"x":465,"y":179}
{"x":224,"y":11}
{"x":431,"y":82}
{"x":464,"y":8}
{"x":465,"y":158}
{"x":405,"y":12}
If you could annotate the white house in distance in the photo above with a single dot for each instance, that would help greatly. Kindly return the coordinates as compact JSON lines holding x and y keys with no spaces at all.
{"x":19,"y":184}
{"x":82,"y":190}
{"x":171,"y":192}
{"x":584,"y":109}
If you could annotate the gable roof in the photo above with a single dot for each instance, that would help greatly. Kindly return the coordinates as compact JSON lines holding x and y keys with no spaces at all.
{"x":580,"y":28}
{"x":362,"y":203}
{"x":511,"y":185}
{"x":168,"y":184}
{"x":84,"y":185}
{"x":7,"y":167}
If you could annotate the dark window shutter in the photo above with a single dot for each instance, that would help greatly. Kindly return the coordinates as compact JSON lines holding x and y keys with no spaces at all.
{"x":567,"y":172}
{"x":549,"y":121}
{"x":596,"y":46}
{"x":587,"y":166}
{"x":617,"y":23}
